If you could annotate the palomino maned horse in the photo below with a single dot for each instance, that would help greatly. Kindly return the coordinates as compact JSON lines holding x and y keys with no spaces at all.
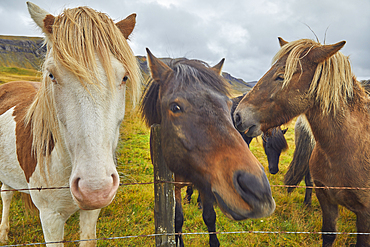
{"x":316,"y":80}
{"x":189,"y":100}
{"x":65,"y":133}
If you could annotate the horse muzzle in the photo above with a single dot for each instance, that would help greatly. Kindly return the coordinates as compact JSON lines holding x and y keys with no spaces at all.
{"x":256,"y":198}
{"x":246,"y":122}
{"x":92,"y":194}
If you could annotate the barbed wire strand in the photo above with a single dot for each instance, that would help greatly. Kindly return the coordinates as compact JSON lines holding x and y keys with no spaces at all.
{"x":198,"y":233}
{"x":191,"y":233}
{"x":188,"y":183}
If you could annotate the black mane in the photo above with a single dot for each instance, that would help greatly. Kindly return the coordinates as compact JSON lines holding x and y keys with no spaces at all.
{"x":186,"y":72}
{"x":276,"y":140}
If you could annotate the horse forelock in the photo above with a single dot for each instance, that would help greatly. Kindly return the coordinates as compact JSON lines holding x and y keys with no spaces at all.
{"x":81,"y":36}
{"x":333,"y":80}
{"x":186,"y":73}
{"x":195,"y":72}
{"x":276,"y":139}
{"x":280,"y":143}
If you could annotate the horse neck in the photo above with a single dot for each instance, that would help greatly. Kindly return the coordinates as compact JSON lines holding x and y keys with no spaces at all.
{"x":340,"y":133}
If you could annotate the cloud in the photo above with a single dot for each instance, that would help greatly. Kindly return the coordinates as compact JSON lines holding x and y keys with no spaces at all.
{"x":244,"y":32}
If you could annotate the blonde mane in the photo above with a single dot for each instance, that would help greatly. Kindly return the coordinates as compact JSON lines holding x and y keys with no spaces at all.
{"x":332,"y":83}
{"x":78,"y":38}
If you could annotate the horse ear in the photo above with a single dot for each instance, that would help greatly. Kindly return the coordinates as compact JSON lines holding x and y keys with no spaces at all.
{"x":324,"y":52}
{"x":218,"y":67}
{"x":282,"y":41}
{"x":156,"y":66}
{"x":41,"y":17}
{"x":127,"y":25}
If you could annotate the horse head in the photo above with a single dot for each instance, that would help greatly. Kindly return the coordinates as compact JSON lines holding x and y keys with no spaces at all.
{"x":199,"y":141}
{"x":81,"y":102}
{"x":291,"y":86}
{"x":274,"y":143}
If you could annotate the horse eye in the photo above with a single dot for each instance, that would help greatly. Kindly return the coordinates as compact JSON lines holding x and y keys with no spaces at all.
{"x":175,"y":108}
{"x":280,"y":77}
{"x":125,"y":78}
{"x":51,"y":76}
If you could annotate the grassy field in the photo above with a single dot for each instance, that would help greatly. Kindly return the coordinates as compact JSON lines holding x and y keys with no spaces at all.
{"x":131,"y":212}
{"x":17,"y":74}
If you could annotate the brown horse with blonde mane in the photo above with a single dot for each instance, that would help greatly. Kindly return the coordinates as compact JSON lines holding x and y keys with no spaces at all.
{"x":316,"y":80}
{"x":190,"y":101}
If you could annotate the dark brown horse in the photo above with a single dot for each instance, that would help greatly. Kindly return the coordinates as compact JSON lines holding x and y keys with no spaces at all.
{"x":189,"y":100}
{"x":316,"y":80}
{"x":274,"y":143}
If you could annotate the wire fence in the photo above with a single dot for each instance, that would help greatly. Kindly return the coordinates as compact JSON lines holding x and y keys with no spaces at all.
{"x":190,"y":233}
{"x":188,"y":183}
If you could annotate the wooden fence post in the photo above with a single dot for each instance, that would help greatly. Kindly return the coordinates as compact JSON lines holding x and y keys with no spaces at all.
{"x":164,"y":193}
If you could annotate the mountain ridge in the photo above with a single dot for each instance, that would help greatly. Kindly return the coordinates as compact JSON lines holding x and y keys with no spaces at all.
{"x":29,"y":52}
{"x":238,"y":85}
{"x":22,"y":52}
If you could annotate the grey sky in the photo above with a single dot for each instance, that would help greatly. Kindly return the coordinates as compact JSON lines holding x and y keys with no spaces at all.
{"x":243,"y":31}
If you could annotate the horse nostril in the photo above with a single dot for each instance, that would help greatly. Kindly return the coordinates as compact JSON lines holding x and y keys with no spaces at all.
{"x":75,"y":182}
{"x":115,"y":179}
{"x":250,"y":185}
{"x":75,"y":188}
{"x":251,"y":188}
{"x":237,"y":119}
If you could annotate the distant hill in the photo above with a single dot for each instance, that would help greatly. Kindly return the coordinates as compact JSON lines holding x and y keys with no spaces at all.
{"x":22,"y":52}
{"x":29,"y":53}
{"x":238,"y":85}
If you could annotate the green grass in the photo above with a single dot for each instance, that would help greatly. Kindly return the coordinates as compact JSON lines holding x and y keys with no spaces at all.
{"x":20,"y":38}
{"x":8,"y":74}
{"x":131,"y":212}
{"x":18,"y":71}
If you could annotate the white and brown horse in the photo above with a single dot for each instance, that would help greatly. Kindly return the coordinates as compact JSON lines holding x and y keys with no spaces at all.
{"x":64,"y":131}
